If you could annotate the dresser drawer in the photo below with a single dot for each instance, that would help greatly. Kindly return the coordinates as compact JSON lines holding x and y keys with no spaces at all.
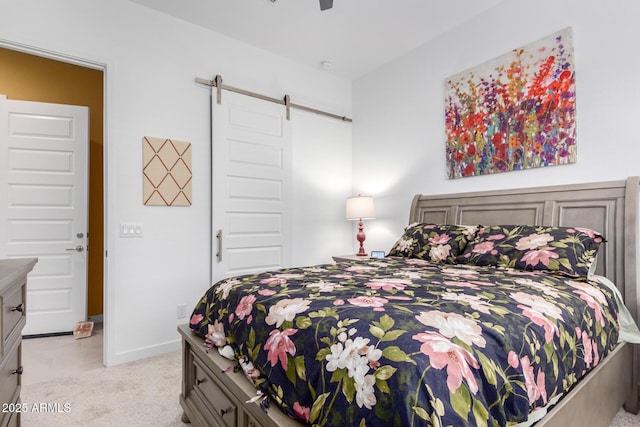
{"x":207,"y":388}
{"x":13,"y":311}
{"x":13,"y":419}
{"x":10,"y":371}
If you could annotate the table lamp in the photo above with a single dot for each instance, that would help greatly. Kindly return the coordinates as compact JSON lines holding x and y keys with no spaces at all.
{"x":359,"y":208}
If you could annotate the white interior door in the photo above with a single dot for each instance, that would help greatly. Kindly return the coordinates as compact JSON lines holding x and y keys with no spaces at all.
{"x":251,"y":185}
{"x":43,"y":213}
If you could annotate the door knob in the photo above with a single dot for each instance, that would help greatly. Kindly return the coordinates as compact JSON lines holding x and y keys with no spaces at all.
{"x":78,"y":248}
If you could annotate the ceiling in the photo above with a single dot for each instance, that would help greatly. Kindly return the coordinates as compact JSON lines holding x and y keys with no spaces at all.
{"x":355,"y":36}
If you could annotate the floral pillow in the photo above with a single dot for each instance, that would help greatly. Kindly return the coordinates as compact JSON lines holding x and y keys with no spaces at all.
{"x":568,"y":250}
{"x":433,"y":242}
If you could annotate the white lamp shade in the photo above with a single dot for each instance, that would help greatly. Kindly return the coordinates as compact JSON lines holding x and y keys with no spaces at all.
{"x":360,"y":207}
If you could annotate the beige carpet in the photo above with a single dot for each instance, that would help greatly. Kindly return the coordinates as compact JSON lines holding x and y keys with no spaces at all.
{"x":142,"y":393}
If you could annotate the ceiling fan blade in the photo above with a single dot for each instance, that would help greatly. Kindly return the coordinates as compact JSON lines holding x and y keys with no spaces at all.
{"x":326,"y":4}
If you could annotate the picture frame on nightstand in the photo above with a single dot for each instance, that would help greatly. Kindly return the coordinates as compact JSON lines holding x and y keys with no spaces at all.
{"x":377,"y":254}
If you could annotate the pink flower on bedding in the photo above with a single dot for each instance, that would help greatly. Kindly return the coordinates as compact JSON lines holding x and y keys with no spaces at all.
{"x":245,"y":306}
{"x":387,"y":284}
{"x":399,"y":298}
{"x":215,"y":333}
{"x":587,"y":347}
{"x":338,"y":302}
{"x":537,"y":309}
{"x":594,"y":298}
{"x":376,"y":302}
{"x":302,"y":411}
{"x":535,"y":389}
{"x":589,"y":232}
{"x":439,"y":239}
{"x":266,"y":292}
{"x":496,"y":237}
{"x":286,"y":309}
{"x":533,"y":241}
{"x":541,"y":255}
{"x":587,"y":288}
{"x":484,"y":248}
{"x":196,"y":318}
{"x":279,"y":345}
{"x":444,"y":353}
{"x":513,"y":360}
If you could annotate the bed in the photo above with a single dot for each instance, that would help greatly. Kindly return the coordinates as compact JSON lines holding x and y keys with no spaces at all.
{"x":469,"y":335}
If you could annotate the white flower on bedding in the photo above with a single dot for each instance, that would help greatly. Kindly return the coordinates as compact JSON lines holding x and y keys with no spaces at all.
{"x":475,"y":302}
{"x":225,"y":287}
{"x":589,"y":290}
{"x":533,"y":241}
{"x":546,"y":289}
{"x":226,"y":352}
{"x":453,"y":325}
{"x":470,"y":231}
{"x":439,"y":253}
{"x":249,"y":370}
{"x":286,"y":309}
{"x":365,"y":394}
{"x":404,"y":244}
{"x":325,"y":286}
{"x":357,"y":357}
{"x":537,"y":304}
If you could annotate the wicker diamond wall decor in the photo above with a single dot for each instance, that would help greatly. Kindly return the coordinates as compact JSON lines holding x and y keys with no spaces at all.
{"x":166,"y":172}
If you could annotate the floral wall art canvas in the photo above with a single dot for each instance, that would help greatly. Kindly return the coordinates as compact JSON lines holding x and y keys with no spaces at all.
{"x":515,"y":112}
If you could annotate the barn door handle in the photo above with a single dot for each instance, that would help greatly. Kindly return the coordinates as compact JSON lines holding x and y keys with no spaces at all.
{"x":219,"y":237}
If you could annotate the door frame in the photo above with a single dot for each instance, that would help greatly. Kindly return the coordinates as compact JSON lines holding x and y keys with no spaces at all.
{"x":108,"y":340}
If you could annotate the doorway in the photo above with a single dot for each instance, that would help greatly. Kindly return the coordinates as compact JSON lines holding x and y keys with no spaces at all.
{"x":29,"y":77}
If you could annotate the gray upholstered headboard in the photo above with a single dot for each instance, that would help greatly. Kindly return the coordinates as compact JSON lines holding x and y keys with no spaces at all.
{"x":608,"y":207}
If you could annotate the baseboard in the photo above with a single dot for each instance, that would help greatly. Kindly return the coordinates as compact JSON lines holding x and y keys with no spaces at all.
{"x":53,"y":334}
{"x":142,"y":353}
{"x":96,"y":319}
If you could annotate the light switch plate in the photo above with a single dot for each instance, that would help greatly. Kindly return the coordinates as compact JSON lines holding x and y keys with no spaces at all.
{"x":131,"y":229}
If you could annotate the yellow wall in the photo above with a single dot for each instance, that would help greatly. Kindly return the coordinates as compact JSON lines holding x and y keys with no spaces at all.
{"x":32,"y":78}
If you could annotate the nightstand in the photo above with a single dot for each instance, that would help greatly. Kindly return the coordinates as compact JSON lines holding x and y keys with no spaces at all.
{"x":354,"y":257}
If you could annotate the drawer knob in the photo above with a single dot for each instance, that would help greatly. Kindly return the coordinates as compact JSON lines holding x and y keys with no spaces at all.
{"x":17,"y":308}
{"x":17,"y":371}
{"x":225,"y":411}
{"x":199,"y":381}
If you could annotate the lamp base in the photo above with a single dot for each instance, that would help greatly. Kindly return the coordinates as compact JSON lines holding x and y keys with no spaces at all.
{"x":361,"y":238}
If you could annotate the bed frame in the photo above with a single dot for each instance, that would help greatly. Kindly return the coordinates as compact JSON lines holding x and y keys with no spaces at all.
{"x":211,"y":397}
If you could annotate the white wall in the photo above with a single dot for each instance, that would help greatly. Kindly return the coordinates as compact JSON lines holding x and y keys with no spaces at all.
{"x":398,"y":130}
{"x":151,"y":61}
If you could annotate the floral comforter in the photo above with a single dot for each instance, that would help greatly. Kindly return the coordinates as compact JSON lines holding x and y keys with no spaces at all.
{"x":406,"y":342}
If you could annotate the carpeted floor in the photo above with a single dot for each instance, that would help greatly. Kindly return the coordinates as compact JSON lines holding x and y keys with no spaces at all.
{"x":142,"y":393}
